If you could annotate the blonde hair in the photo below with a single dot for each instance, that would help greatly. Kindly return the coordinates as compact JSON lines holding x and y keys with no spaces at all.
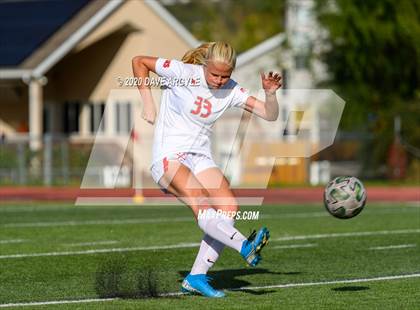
{"x":211,"y":51}
{"x":197,"y":56}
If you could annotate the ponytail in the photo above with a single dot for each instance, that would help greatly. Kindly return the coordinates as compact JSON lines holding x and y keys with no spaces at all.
{"x":211,"y":51}
{"x":197,"y":56}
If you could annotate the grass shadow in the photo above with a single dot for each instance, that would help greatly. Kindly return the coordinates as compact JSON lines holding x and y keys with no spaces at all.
{"x":114,"y":279}
{"x":350,"y":288}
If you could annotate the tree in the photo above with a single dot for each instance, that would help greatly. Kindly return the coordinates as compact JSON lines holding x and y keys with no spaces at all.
{"x":242,"y":23}
{"x":374,"y":63}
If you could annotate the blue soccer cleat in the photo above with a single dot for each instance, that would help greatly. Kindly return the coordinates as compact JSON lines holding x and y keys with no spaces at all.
{"x":198,"y":284}
{"x":252,"y":247}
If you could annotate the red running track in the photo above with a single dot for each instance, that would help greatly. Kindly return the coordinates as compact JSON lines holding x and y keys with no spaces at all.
{"x":271,"y":196}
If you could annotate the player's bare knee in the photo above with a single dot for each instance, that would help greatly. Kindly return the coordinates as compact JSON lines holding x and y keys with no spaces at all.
{"x":199,"y":198}
{"x":203,"y":202}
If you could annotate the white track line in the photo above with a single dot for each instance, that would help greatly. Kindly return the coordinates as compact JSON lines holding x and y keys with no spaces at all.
{"x":289,"y":285}
{"x":389,"y":247}
{"x":12,"y":241}
{"x":192,"y":245}
{"x":294,"y":246}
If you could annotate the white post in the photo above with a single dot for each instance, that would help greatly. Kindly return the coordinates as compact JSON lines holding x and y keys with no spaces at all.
{"x":109,"y":116}
{"x":84,"y":119}
{"x":35,"y":113}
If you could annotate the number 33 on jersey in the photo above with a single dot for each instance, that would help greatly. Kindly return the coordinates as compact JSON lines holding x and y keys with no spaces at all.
{"x":202,"y":105}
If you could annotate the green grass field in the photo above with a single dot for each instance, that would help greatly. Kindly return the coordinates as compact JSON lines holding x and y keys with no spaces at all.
{"x":57,"y":252}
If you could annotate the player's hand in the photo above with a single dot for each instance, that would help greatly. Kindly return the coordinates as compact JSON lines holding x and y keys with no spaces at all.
{"x":149,"y":114}
{"x":270,"y":82}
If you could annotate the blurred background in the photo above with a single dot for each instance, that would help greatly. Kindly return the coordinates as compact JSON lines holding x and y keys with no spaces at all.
{"x":60,"y":59}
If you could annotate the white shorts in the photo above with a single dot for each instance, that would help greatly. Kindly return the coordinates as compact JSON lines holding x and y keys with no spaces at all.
{"x":194,"y":161}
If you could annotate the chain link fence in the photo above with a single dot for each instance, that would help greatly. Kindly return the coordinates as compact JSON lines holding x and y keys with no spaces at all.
{"x":57,"y":162}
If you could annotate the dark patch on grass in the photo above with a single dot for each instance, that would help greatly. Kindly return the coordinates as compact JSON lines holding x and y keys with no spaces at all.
{"x":350,"y":288}
{"x":147,"y":283}
{"x":108,"y":277}
{"x":114,"y":278}
{"x":257,"y":292}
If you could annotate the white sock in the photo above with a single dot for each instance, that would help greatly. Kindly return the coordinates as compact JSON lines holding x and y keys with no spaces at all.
{"x":208,"y":254}
{"x":221,"y":229}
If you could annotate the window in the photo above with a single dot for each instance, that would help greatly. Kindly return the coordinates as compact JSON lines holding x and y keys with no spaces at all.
{"x":97,"y":121}
{"x":71,"y":117}
{"x":123,"y":119}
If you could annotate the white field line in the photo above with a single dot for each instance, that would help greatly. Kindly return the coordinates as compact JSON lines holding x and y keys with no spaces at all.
{"x":390,"y":247}
{"x":413,"y":204}
{"x":98,"y":222}
{"x":288,"y":285}
{"x":385,"y":278}
{"x":294,"y":246}
{"x":144,"y":221}
{"x":170,"y":220}
{"x":68,"y":207}
{"x":56,"y":302}
{"x":91,"y":243}
{"x":350,"y":234}
{"x":296,"y":215}
{"x":12,"y":241}
{"x":192,"y":245}
{"x":99,"y":251}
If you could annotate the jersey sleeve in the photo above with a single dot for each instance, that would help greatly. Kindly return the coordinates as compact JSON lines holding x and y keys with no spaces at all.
{"x":240,"y":96}
{"x":170,"y":68}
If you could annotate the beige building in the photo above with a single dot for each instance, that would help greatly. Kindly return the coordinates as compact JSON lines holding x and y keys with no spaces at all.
{"x":73,"y":84}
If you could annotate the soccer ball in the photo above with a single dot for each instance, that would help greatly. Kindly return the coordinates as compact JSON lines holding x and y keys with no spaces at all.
{"x":345,"y":197}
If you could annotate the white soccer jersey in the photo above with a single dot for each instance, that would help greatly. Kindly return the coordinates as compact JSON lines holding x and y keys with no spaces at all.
{"x":187,"y":113}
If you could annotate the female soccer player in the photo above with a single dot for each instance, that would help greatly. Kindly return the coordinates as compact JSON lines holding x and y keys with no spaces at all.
{"x":199,"y":91}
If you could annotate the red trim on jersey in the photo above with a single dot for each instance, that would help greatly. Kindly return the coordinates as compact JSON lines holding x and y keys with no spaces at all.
{"x":167,"y":63}
{"x":165,"y":164}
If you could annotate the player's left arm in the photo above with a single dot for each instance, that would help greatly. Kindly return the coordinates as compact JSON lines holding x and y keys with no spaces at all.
{"x":268,"y":109}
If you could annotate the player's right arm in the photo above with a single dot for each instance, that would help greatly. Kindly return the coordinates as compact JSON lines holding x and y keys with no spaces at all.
{"x":167,"y":68}
{"x":142,"y":65}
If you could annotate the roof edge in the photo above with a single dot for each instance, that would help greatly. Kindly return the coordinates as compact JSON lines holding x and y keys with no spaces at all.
{"x":14,"y":74}
{"x":260,"y":49}
{"x":75,"y":38}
